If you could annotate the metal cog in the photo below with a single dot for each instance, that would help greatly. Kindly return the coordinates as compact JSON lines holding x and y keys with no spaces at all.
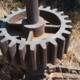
{"x":35,"y":54}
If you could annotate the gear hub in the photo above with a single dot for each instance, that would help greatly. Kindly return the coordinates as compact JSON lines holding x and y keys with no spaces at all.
{"x":34,"y":37}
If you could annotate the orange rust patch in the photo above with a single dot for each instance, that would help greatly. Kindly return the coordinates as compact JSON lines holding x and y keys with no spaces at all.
{"x":42,"y":37}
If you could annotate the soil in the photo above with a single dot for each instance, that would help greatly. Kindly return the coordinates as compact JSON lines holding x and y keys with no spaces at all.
{"x":9,"y":72}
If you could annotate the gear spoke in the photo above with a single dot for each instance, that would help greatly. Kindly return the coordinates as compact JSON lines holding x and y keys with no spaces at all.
{"x":52,"y":26}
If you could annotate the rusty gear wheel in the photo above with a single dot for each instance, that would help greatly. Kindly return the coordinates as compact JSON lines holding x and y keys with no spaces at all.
{"x":35,"y":51}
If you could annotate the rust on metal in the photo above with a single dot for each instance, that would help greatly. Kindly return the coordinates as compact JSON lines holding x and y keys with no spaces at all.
{"x":32,"y":37}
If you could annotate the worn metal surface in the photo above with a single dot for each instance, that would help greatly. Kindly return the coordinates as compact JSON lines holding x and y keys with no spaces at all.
{"x":24,"y":51}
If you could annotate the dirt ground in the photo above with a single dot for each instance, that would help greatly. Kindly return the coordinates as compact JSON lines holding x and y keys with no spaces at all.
{"x":72,"y":58}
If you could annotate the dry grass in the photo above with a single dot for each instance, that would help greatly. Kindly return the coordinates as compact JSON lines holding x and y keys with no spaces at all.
{"x":8,"y":5}
{"x":72,"y":58}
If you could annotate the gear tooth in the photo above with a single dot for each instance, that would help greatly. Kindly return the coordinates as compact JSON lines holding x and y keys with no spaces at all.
{"x":65,"y":16}
{"x":43,"y":45}
{"x":41,"y":7}
{"x":61,"y":45}
{"x":12,"y":12}
{"x":12,"y":43}
{"x":30,"y":36}
{"x":55,"y":10}
{"x":61,"y":13}
{"x":4,"y":45}
{"x":3,"y":40}
{"x":18,"y":9}
{"x":66,"y":34}
{"x":48,"y":8}
{"x":69,"y":28}
{"x":68,"y":21}
{"x":41,"y":56}
{"x":44,"y":54}
{"x":52,"y":51}
{"x":12,"y":51}
{"x":22,"y":53}
{"x":33,"y":57}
